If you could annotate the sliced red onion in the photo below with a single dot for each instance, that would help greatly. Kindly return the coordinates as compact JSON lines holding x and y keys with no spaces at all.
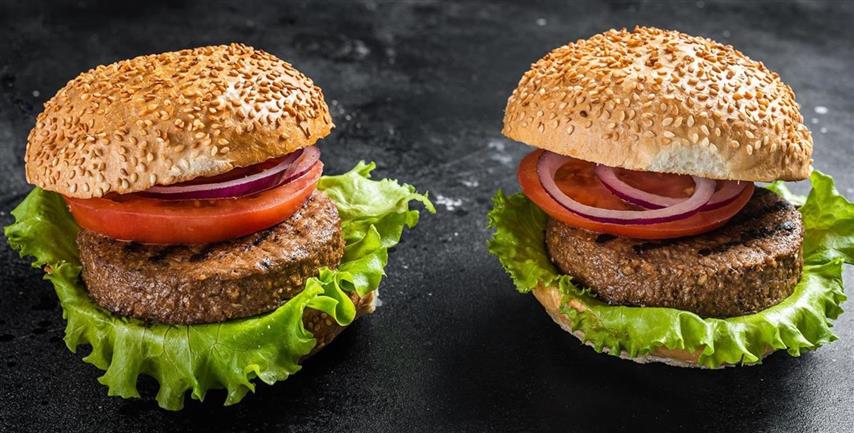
{"x":631,"y":194}
{"x":728,"y":192}
{"x":304,"y":163}
{"x":291,"y":167}
{"x":725,"y":195}
{"x":550,"y":162}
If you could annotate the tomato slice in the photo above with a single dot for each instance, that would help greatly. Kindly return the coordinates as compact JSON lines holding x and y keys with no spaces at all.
{"x":578,"y":180}
{"x":132,"y":217}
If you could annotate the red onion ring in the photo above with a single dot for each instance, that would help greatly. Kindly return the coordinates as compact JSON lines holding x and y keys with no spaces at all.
{"x":304,"y":163}
{"x":291,"y":167}
{"x":549,"y":163}
{"x":724,"y":196}
{"x":631,"y":194}
{"x":730,"y":190}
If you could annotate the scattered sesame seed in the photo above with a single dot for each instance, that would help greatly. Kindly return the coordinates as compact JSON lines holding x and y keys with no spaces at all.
{"x":654,"y":86}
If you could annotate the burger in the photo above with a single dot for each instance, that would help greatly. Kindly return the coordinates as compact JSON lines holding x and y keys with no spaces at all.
{"x":641,"y":228}
{"x":181,"y":212}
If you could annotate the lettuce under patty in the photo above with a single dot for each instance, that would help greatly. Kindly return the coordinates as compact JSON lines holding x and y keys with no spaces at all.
{"x":228,"y":355}
{"x":800,"y":322}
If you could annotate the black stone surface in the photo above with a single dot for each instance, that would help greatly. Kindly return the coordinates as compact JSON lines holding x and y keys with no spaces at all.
{"x":419,"y":87}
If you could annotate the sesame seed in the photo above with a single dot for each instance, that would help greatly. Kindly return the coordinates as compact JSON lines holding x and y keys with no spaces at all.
{"x":76,"y":127}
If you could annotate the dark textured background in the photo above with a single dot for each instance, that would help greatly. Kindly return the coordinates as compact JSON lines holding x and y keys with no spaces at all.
{"x":419,"y":86}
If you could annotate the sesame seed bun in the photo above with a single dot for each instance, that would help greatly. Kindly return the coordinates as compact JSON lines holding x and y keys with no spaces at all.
{"x":662,"y":101}
{"x":167,"y":118}
{"x":550,"y":298}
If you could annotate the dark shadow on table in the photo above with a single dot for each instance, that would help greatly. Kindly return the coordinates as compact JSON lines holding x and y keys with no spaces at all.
{"x":518,"y":371}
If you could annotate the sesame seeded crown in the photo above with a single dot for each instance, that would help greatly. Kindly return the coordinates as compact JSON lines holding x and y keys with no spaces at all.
{"x":172,"y":117}
{"x":662,"y":101}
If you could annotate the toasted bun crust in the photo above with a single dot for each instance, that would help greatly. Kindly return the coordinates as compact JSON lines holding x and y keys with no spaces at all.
{"x":325,"y":329}
{"x":550,"y":298}
{"x":662,"y":101}
{"x":167,"y":118}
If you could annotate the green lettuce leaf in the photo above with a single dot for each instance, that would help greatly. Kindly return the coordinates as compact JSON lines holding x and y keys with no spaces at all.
{"x":800,"y":322}
{"x":226,"y":355}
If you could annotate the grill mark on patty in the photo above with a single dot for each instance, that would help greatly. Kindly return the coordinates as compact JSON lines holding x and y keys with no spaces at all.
{"x":748,"y":235}
{"x":774,"y":207}
{"x":604,"y":237}
{"x":260,"y":237}
{"x":162,"y":253}
{"x":132,"y":247}
{"x":205,"y":252}
{"x":765,"y":232}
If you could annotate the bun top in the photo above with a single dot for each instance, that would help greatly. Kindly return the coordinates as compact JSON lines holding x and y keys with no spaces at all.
{"x":662,"y":101}
{"x":172,"y":117}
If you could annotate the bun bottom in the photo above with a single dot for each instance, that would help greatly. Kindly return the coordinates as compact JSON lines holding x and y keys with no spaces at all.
{"x":325,"y":329}
{"x":550,"y":298}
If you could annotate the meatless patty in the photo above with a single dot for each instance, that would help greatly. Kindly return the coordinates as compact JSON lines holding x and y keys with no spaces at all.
{"x":187,"y":284}
{"x":749,"y":264}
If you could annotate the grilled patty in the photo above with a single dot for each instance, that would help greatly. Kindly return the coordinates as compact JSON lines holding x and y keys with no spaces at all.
{"x":749,"y":264}
{"x":188,"y":284}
